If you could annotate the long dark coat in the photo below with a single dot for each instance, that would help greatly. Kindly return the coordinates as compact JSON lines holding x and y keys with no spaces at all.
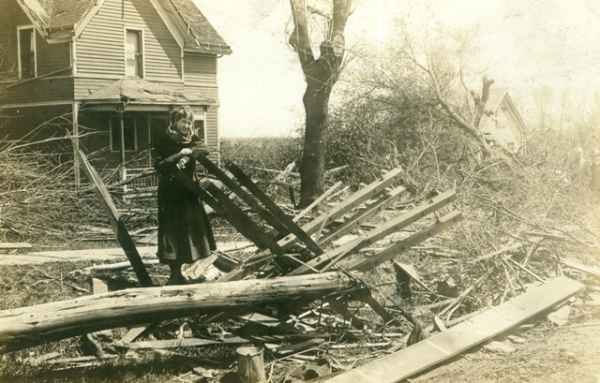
{"x":184,"y":232}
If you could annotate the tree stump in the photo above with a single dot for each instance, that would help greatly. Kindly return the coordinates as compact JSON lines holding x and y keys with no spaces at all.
{"x":251,"y":366}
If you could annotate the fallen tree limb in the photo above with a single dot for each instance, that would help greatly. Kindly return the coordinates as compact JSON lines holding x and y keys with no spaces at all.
{"x":443,"y":346}
{"x":33,"y":325}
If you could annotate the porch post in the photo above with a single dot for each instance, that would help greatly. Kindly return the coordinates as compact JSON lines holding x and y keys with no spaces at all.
{"x":122,"y":131}
{"x":149,"y":142}
{"x":75,"y":140}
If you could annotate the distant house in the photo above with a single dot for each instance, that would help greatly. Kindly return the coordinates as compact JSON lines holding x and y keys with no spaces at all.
{"x":502,"y":123}
{"x":116,"y":66}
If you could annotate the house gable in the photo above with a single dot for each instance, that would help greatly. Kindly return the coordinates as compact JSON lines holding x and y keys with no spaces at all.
{"x":50,"y":59}
{"x":101,"y":44}
{"x":503,"y":123}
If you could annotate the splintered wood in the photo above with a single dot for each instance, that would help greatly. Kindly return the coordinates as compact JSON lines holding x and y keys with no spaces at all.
{"x":445,"y":345}
{"x":28,"y":326}
{"x":297,"y":287}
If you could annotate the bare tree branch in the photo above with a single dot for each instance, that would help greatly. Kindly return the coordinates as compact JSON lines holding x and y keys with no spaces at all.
{"x":300,"y":37}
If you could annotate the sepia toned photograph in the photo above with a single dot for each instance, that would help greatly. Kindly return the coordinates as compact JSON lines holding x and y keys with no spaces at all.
{"x":289,"y":191}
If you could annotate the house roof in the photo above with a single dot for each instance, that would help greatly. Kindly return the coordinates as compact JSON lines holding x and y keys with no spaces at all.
{"x":500,"y":101}
{"x":199,"y":34}
{"x":56,"y":16}
{"x":142,"y":92}
{"x":497,"y":94}
{"x":64,"y":14}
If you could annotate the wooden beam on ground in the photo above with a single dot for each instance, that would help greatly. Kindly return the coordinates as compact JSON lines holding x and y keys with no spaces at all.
{"x":378,"y":233}
{"x":363,"y":262}
{"x":473,"y":332}
{"x":29,"y":326}
{"x":111,"y":267}
{"x":15,"y":246}
{"x":363,"y":216}
{"x":272,"y":207}
{"x":185,"y":342}
{"x":591,"y":270}
{"x":118,"y":225}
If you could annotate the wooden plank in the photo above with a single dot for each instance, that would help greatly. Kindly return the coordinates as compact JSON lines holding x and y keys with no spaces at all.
{"x":265,"y":214}
{"x":363,"y":216}
{"x":185,"y":342}
{"x":340,"y":209}
{"x":354,"y":200}
{"x":378,"y":233}
{"x":591,"y":270}
{"x":275,"y":210}
{"x":98,"y":286}
{"x":363,"y":262}
{"x":133,"y":333}
{"x":240,"y":220}
{"x":118,"y":225}
{"x":448,"y":344}
{"x":15,"y":246}
{"x":220,"y":202}
{"x":318,"y":201}
{"x":261,"y":319}
{"x":28,"y":326}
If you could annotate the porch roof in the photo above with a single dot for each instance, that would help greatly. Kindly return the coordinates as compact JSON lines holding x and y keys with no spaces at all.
{"x":141,"y":92}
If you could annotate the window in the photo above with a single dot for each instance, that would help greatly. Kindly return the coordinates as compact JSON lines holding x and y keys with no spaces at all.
{"x":27,"y":52}
{"x":130,"y":134}
{"x":134,"y":58}
{"x":199,"y":131}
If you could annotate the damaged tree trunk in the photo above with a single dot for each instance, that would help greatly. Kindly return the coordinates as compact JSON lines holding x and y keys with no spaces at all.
{"x":320,"y":74}
{"x":316,"y":106}
{"x":33,"y":325}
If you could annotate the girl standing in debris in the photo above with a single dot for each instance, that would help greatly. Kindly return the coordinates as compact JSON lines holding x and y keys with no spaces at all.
{"x":184,"y":233}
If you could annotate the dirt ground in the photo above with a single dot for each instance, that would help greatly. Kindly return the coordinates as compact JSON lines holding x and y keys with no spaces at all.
{"x":548,"y":354}
{"x":565,"y":354}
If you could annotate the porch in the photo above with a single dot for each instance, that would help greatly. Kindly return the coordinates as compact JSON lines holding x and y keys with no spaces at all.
{"x":128,"y":118}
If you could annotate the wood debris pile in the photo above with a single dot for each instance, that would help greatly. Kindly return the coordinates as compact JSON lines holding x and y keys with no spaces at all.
{"x":328,"y":287}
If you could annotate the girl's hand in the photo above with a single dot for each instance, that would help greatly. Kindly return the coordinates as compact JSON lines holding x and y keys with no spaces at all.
{"x":183,"y":162}
{"x":185,"y":152}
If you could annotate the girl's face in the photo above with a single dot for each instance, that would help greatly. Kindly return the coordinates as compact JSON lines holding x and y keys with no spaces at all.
{"x":182,"y":131}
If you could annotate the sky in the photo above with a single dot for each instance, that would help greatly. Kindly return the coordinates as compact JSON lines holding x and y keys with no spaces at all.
{"x":522,"y":44}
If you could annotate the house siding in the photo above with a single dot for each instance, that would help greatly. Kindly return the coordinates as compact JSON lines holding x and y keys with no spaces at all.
{"x":100,"y":55}
{"x":10,"y":17}
{"x":212,"y":115}
{"x":200,"y":69}
{"x":101,"y":46}
{"x":39,"y":90}
{"x":50,"y":59}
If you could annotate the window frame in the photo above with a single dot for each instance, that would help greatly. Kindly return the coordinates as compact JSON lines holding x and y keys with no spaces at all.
{"x":201,"y":116}
{"x":142,"y":46}
{"x":35,"y":52}
{"x":111,"y":138}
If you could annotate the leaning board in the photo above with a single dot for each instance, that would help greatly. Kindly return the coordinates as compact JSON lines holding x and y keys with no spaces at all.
{"x":443,"y":346}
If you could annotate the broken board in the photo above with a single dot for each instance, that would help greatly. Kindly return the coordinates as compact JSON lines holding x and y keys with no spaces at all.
{"x":448,"y":344}
{"x":119,"y":227}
